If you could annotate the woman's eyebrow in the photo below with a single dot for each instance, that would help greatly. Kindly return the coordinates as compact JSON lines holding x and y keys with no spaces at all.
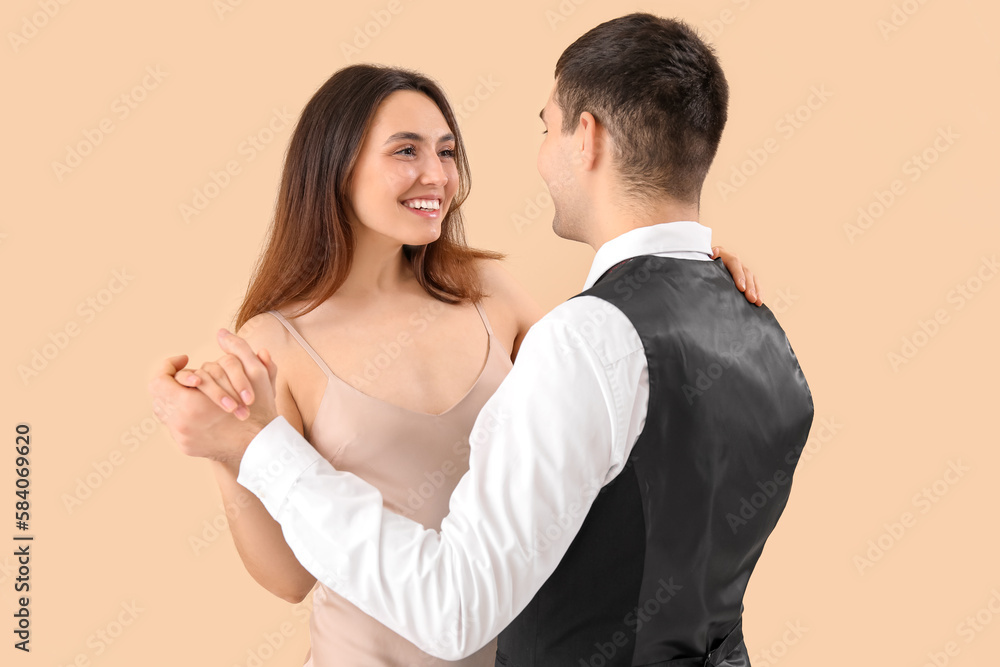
{"x":413,"y":136}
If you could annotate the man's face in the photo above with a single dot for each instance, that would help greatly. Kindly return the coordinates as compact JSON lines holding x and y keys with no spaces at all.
{"x":556,"y":165}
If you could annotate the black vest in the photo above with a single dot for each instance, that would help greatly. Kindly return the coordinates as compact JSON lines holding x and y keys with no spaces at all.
{"x":657,"y":573}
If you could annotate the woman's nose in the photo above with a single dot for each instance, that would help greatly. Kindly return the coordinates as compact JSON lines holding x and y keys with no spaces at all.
{"x":432,"y":172}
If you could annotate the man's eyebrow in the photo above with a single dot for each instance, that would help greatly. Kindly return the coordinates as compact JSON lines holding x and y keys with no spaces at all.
{"x":413,"y":136}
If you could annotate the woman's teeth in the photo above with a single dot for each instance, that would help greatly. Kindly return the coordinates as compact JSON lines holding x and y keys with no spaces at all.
{"x":423,"y":204}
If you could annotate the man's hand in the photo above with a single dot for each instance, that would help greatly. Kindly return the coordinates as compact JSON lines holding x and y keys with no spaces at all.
{"x":197,"y":406}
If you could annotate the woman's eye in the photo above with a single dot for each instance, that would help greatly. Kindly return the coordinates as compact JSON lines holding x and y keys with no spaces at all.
{"x":409,"y":150}
{"x":545,"y":131}
{"x":448,"y":152}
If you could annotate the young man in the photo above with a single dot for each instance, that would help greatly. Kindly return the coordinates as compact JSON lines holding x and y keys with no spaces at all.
{"x":604,"y":518}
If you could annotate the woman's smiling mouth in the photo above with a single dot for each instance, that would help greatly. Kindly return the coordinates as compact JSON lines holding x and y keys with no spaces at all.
{"x":428,"y":208}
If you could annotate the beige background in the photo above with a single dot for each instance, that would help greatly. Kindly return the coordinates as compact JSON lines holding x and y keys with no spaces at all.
{"x":122,"y":546}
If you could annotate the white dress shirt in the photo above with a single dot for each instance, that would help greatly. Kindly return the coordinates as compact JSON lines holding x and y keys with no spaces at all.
{"x":560,"y":427}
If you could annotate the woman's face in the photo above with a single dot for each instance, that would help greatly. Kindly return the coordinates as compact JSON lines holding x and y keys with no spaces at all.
{"x":405,"y":177}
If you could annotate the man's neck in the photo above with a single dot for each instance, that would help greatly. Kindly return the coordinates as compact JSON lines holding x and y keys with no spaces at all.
{"x":613,"y":220}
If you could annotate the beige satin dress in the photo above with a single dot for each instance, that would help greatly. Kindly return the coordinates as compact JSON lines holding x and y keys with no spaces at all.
{"x":415,"y":460}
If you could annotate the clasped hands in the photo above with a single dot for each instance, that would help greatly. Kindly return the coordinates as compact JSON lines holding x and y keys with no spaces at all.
{"x":214,"y":412}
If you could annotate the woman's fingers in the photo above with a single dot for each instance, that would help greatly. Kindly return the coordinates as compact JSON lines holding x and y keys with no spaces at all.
{"x":733,"y":265}
{"x":237,"y":377}
{"x":224,"y":382}
{"x":751,"y":291}
{"x":759,"y":291}
{"x":187,"y":377}
{"x":214,"y":383}
{"x":744,"y":278}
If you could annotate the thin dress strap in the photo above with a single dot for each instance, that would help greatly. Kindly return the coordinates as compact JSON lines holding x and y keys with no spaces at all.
{"x":486,"y":320}
{"x":306,"y":346}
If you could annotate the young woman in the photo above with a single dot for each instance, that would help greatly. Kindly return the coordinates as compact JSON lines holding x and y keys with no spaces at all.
{"x":389,"y":333}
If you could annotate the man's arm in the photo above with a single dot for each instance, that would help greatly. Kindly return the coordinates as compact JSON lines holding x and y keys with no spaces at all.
{"x":556,"y":431}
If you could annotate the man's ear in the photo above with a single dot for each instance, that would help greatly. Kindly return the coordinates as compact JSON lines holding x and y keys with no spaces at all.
{"x":590,"y":138}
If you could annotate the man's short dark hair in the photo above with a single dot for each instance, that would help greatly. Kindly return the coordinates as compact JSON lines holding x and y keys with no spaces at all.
{"x":659,"y":91}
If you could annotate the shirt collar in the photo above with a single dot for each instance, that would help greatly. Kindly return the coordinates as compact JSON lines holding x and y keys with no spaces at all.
{"x":685,"y":236}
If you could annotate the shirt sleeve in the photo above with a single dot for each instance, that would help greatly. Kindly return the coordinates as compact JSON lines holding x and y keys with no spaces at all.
{"x":557,"y":430}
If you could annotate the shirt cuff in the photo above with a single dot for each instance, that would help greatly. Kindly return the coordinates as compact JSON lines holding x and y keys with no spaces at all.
{"x":274,"y":461}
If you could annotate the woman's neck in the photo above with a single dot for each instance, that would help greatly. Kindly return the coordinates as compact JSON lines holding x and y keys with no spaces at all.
{"x":379,"y":267}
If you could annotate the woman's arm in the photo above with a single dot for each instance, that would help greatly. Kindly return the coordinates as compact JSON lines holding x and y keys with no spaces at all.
{"x":257,"y":536}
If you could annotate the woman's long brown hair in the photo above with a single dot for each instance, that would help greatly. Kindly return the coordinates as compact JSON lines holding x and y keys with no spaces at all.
{"x":310,"y":243}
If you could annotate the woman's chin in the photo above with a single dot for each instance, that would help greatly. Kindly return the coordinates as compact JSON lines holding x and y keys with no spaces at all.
{"x":424,"y":237}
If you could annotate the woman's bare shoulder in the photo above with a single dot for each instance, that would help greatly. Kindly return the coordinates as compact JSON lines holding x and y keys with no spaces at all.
{"x":508,"y":293}
{"x":264,"y":330}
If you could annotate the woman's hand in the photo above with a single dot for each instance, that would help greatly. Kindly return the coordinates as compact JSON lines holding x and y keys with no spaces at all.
{"x":745,"y":281}
{"x":226,"y":381}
